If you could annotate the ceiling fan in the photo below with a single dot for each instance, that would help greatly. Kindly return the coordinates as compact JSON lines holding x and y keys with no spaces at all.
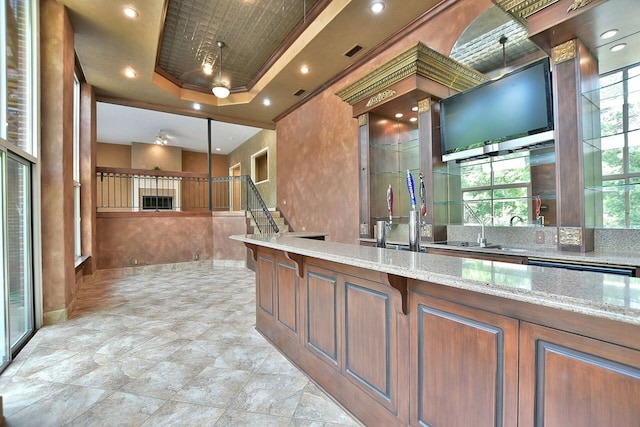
{"x":162,"y":137}
{"x":204,"y":76}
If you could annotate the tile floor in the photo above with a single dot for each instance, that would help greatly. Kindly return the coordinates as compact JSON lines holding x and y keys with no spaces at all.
{"x":163,"y":348}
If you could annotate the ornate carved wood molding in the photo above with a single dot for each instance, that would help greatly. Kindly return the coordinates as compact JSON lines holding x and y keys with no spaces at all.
{"x":564,"y":52}
{"x":521,"y":9}
{"x":570,"y":236}
{"x":381,"y":97}
{"x":418,"y":60}
{"x":577,"y":4}
{"x":424,"y":105}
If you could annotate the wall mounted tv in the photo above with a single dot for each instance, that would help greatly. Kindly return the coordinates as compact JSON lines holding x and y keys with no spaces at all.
{"x":499,"y":116}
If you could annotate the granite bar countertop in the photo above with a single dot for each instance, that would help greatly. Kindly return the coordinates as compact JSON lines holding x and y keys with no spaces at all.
{"x":609,"y":296}
{"x":629,"y":259}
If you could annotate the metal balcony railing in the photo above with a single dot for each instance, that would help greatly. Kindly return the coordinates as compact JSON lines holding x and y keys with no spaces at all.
{"x":135,"y":190}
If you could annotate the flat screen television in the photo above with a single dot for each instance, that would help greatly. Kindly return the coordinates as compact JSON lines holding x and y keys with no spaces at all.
{"x":502,"y":115}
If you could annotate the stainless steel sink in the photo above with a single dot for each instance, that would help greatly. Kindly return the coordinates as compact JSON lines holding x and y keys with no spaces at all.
{"x":466,"y":244}
{"x":400,"y":247}
{"x":513,"y":250}
{"x":474,"y":245}
{"x":458,"y":243}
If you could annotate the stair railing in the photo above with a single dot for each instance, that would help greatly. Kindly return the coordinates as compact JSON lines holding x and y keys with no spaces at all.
{"x":259,"y":212}
{"x":135,"y":190}
{"x":241,"y":194}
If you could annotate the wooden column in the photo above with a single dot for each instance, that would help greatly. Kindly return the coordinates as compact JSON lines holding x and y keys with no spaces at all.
{"x":430,"y":159}
{"x":88,"y":190}
{"x":574,"y":69}
{"x":57,"y":67}
{"x":366,"y":229}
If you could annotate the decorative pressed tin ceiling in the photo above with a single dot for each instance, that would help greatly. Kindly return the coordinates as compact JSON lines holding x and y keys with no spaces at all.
{"x":255,"y":30}
{"x":251,"y":29}
{"x":479,"y":45}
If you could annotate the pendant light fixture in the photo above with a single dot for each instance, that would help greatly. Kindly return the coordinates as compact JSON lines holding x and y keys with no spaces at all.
{"x":220,"y":89}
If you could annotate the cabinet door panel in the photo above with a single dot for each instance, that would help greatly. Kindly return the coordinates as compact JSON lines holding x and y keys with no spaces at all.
{"x":568,"y":379}
{"x":265,"y":285}
{"x":466,"y":366}
{"x":368,"y":338}
{"x":287,"y":298}
{"x":322,"y":315}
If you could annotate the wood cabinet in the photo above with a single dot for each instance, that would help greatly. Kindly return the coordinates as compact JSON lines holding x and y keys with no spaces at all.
{"x":571,"y":380}
{"x":277,"y":295}
{"x":343,"y":326}
{"x":396,"y":351}
{"x":464,"y":367}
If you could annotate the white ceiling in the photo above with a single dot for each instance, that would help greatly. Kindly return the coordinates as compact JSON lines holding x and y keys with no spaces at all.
{"x":118,"y":124}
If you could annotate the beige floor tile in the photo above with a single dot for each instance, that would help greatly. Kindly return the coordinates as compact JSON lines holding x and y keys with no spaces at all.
{"x":163,"y":347}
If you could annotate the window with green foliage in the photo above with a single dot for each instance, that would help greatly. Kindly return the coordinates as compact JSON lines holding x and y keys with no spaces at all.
{"x":498,"y":187}
{"x":620,"y":143}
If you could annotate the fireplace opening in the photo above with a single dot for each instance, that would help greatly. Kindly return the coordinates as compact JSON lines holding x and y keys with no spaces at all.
{"x":157,"y":202}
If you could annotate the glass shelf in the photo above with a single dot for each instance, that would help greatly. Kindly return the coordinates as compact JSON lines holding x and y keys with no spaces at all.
{"x":612,"y":91}
{"x":613,"y":135}
{"x":543,"y":197}
{"x":399,"y":174}
{"x":614,"y":188}
{"x":396,"y":146}
{"x":607,"y":102}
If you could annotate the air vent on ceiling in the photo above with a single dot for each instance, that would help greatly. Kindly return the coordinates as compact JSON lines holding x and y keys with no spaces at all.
{"x":299,"y":92}
{"x":351,"y":52}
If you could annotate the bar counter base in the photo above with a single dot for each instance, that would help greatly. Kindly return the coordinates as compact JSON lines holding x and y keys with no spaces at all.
{"x":398,"y":351}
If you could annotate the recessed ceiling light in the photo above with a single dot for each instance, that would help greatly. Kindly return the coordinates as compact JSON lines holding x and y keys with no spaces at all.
{"x":218,"y":149}
{"x":130,"y":12}
{"x":399,"y":115}
{"x":618,"y":47}
{"x":377,"y":7}
{"x":304,"y":69}
{"x":266,"y":102}
{"x":608,"y":34}
{"x":414,"y":108}
{"x":130,"y":72}
{"x":413,"y":119}
{"x":196,"y":106}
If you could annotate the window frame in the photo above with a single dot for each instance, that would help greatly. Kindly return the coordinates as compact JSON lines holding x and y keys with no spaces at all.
{"x":254,"y":169}
{"x":626,"y":177}
{"x":492,"y":187}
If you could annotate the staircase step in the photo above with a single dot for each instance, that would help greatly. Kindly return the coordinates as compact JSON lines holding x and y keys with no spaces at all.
{"x":274,"y":214}
{"x":278,"y":221}
{"x":277,"y":216}
{"x":282,"y":229}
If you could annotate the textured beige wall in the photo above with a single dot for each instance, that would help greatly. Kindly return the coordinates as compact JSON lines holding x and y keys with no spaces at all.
{"x":150,"y":238}
{"x":193,"y":161}
{"x":317,"y":144}
{"x":114,"y":155}
{"x":150,"y":156}
{"x":263,"y":139}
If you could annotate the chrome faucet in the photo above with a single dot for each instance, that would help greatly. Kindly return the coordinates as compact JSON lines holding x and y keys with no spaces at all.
{"x":481,"y":239}
{"x":513,"y":218}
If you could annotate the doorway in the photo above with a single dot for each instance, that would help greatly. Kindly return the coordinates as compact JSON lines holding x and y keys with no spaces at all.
{"x":17,"y":321}
{"x":235,"y":188}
